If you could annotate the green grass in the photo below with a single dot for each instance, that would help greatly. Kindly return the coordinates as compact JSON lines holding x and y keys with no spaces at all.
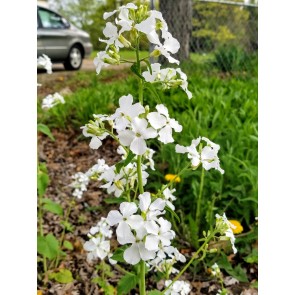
{"x":223,"y":108}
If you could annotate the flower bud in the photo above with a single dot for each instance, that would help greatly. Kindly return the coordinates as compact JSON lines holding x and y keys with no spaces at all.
{"x":124,"y":41}
{"x":155,"y":53}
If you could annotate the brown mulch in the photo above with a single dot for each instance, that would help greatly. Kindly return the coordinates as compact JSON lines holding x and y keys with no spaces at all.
{"x":64,"y":157}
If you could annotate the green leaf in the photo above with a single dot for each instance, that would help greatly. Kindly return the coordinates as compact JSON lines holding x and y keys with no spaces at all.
{"x":67,"y":225}
{"x":48,"y":246}
{"x":114,"y":200}
{"x":127,"y":283}
{"x":108,"y":289}
{"x":134,"y":69}
{"x":173,"y":213}
{"x":148,"y":65}
{"x":45,"y":130}
{"x":238,"y":272}
{"x":118,"y":254}
{"x":42,"y":179}
{"x":53,"y":207}
{"x":125,"y":162}
{"x":64,"y":276}
{"x":153,"y":91}
{"x":154,"y":292}
{"x":68,"y":245}
{"x":252,"y":257}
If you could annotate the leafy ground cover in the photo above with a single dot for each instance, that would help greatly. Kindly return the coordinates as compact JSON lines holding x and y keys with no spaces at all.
{"x":223,"y":107}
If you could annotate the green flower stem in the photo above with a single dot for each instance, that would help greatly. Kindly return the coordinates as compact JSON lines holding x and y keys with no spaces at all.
{"x":63,"y":232}
{"x":140,"y":83}
{"x":139,"y":175}
{"x":142,"y":278}
{"x":199,"y":201}
{"x":202,"y":248}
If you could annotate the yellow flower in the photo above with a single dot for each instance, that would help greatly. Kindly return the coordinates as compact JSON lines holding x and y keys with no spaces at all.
{"x":238,"y":227}
{"x":39,"y":292}
{"x":172,"y":177}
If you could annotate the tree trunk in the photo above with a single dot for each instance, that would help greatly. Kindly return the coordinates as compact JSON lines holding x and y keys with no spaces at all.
{"x":178,"y":15}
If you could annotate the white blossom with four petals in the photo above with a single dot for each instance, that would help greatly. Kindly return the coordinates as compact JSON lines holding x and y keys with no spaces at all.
{"x":164,"y":124}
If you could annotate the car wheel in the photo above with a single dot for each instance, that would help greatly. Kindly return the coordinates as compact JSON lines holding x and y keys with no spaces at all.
{"x":74,"y":59}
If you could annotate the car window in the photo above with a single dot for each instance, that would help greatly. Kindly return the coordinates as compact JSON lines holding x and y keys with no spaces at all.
{"x":51,"y":20}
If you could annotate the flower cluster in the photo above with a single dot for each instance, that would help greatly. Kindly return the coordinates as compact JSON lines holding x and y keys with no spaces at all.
{"x":138,"y":22}
{"x":99,"y":246}
{"x":134,"y":125}
{"x":225,"y":228}
{"x":52,"y":100}
{"x":149,"y":235}
{"x":168,"y":78}
{"x":45,"y":62}
{"x":207,"y":155}
{"x":177,"y":288}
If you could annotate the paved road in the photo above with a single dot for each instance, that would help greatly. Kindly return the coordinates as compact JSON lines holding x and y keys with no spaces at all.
{"x":87,"y":65}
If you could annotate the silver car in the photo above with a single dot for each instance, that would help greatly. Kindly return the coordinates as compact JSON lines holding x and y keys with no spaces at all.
{"x":60,"y":40}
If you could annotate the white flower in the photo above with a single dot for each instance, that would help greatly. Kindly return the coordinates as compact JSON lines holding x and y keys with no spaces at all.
{"x":207,"y":156}
{"x":148,"y":155}
{"x":45,"y":62}
{"x":100,"y":61}
{"x":52,"y":100}
{"x":177,"y":288}
{"x":126,"y":112}
{"x":150,"y":25}
{"x":191,"y":150}
{"x":215,"y":270}
{"x":151,"y":209}
{"x":102,"y":228}
{"x":80,"y":183}
{"x":135,"y":138}
{"x":98,"y":168}
{"x":161,"y":120}
{"x":184,"y":83}
{"x":115,"y":183}
{"x":169,"y":77}
{"x":225,"y":229}
{"x":98,"y":248}
{"x":95,"y":131}
{"x":171,"y":45}
{"x":125,"y":220}
{"x":168,"y":195}
{"x":158,"y":232}
{"x":137,"y":250}
{"x":122,"y":10}
{"x":111,"y":32}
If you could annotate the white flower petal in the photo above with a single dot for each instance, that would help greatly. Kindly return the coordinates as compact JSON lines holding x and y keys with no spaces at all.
{"x":128,"y":209}
{"x":124,"y":234}
{"x":131,"y":254}
{"x":158,"y":204}
{"x":135,"y":221}
{"x":145,"y":254}
{"x":165,"y":135}
{"x":144,"y":201}
{"x":126,"y":137}
{"x":138,"y":146}
{"x":152,"y":242}
{"x":89,"y":246}
{"x":156,"y":120}
{"x":95,"y":142}
{"x":114,"y":217}
{"x":152,"y":227}
{"x":180,"y":149}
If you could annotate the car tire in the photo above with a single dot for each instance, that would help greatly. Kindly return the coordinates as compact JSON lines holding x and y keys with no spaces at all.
{"x":74,"y":59}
